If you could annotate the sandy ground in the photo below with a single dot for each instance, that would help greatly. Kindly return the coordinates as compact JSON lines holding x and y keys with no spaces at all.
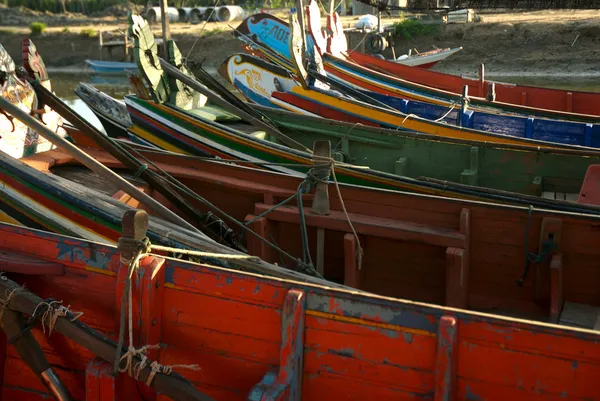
{"x":545,"y":43}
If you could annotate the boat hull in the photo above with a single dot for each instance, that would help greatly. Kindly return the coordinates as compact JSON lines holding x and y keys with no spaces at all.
{"x":538,"y":97}
{"x":314,"y":342}
{"x":111,"y":67}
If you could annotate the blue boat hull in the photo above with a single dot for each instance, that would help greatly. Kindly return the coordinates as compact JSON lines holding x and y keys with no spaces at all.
{"x":111,"y":67}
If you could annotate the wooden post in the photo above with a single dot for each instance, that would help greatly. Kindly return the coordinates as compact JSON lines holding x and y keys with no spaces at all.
{"x":491,"y":96}
{"x":481,"y":79}
{"x":300,"y":13}
{"x":320,"y":205}
{"x":165,"y":28}
{"x":100,"y":43}
{"x":446,"y":359}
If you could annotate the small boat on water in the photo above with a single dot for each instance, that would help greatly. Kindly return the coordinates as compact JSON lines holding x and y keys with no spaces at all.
{"x":111,"y":67}
{"x":427,"y":59}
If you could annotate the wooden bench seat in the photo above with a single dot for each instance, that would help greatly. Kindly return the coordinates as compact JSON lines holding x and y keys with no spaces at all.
{"x":580,"y":315}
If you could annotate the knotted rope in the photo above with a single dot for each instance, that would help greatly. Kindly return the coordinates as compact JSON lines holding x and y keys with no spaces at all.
{"x":140,"y":249}
{"x":8,"y":294}
{"x":52,"y":311}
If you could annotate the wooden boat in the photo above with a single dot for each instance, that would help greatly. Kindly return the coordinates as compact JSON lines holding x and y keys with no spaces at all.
{"x":532,"y":96}
{"x":273,"y":34}
{"x":551,"y":173}
{"x":291,"y":97}
{"x":438,"y":240}
{"x":312,"y":342}
{"x":112,"y":113}
{"x":537,"y":97}
{"x":172,"y":128}
{"x":327,"y":103}
{"x":111,"y":67}
{"x":427,"y":59}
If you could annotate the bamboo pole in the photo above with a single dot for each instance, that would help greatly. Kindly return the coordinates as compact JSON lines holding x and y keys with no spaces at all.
{"x":94,"y":165}
{"x":166,"y":33}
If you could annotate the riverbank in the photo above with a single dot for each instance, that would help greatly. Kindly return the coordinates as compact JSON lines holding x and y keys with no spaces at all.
{"x":534,"y":44}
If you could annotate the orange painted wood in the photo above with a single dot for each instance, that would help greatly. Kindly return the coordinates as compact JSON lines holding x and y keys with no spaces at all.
{"x":355,"y":346}
{"x":100,"y":384}
{"x":413,"y":269}
{"x":446,"y":359}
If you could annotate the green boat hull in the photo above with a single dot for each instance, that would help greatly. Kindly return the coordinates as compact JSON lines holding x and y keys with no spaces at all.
{"x":503,"y":167}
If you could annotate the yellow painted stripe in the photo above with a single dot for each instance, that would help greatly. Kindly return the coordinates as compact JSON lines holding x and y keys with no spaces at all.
{"x":395,"y":90}
{"x":232,"y":137}
{"x":100,"y":271}
{"x":5,"y":218}
{"x":108,"y":241}
{"x":363,"y":322}
{"x":155,"y":140}
{"x":417,"y":124}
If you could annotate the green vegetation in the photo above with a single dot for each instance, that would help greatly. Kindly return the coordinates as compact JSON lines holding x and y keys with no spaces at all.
{"x":37,"y":28}
{"x":410,"y":29}
{"x":88,"y":32}
{"x":212,"y":32}
{"x":65,"y":29}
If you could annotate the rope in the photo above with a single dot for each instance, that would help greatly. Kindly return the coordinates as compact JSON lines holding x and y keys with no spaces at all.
{"x":52,"y":313}
{"x":176,"y":184}
{"x":140,"y":171}
{"x":406,"y":118}
{"x":548,"y":246}
{"x":135,"y":370}
{"x":345,"y":135}
{"x":359,"y":250}
{"x":8,"y":295}
{"x":450,"y":109}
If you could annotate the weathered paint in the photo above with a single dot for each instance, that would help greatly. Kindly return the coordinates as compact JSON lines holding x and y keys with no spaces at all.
{"x":236,"y":334}
{"x":100,"y":384}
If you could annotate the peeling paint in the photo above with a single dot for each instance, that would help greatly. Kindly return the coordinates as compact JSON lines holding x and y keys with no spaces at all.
{"x":345,"y":352}
{"x":470,"y":396}
{"x":98,"y":259}
{"x":377,"y":313}
{"x":408,"y":337}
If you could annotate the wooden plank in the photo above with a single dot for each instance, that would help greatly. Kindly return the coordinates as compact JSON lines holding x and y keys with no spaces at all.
{"x":367,"y":225}
{"x":580,"y":315}
{"x":446,"y":359}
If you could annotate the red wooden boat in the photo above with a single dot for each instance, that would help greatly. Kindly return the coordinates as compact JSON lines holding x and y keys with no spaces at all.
{"x":537,"y":97}
{"x":450,"y":252}
{"x":225,"y":335}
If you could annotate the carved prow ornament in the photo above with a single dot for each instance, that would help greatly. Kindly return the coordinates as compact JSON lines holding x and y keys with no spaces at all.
{"x":162,"y":88}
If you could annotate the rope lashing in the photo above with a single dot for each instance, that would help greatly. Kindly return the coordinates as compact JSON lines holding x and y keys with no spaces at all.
{"x":548,"y":246}
{"x":52,"y":310}
{"x":139,"y":249}
{"x":8,"y":295}
{"x":135,"y":369}
{"x":140,"y":171}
